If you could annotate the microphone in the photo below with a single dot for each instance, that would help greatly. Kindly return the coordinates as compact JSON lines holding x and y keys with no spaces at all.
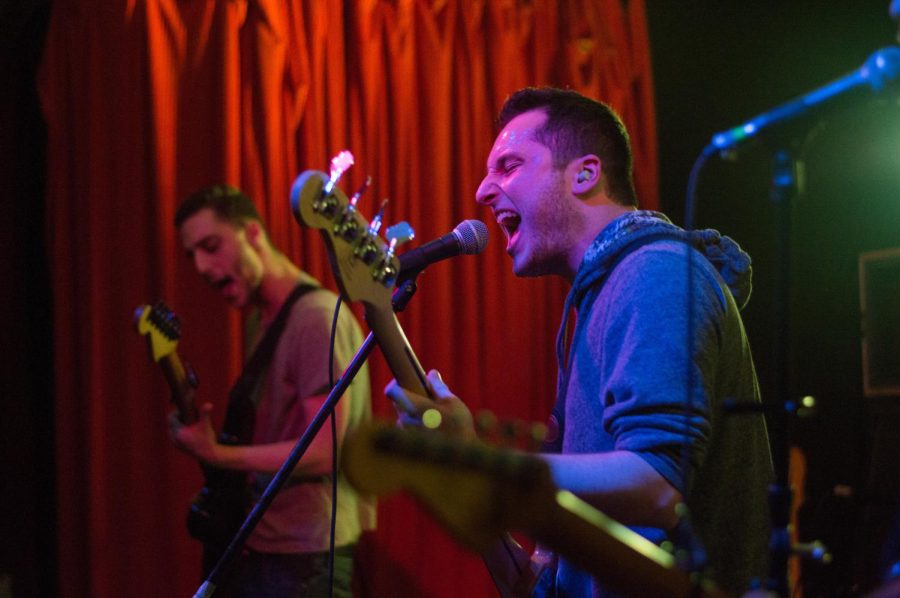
{"x":880,"y":68}
{"x":470,"y":237}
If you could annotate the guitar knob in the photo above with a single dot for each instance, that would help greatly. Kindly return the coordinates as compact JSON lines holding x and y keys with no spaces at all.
{"x":485,"y":424}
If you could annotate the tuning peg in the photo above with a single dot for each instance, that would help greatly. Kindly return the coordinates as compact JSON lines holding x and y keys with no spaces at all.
{"x":375,"y":224}
{"x":339,"y":165}
{"x":362,"y":189}
{"x":348,"y":226}
{"x":399,"y":234}
{"x":387,"y":269}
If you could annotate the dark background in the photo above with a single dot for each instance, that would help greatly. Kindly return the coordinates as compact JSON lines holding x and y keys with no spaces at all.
{"x":716,"y":65}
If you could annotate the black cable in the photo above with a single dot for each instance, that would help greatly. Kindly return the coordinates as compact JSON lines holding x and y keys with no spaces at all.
{"x":334,"y":451}
{"x":686,"y":541}
{"x":691,"y":200}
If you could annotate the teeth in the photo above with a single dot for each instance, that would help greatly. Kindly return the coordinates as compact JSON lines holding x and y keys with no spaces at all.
{"x":509,"y":220}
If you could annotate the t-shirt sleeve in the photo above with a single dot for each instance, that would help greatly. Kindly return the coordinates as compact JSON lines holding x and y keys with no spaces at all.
{"x":299,"y":374}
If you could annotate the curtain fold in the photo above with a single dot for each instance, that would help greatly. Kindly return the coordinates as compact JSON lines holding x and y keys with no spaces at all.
{"x":147,"y":101}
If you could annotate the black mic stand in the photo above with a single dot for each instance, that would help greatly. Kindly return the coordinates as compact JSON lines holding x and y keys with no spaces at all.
{"x":786,"y":185}
{"x":785,"y":188}
{"x":400,"y":299}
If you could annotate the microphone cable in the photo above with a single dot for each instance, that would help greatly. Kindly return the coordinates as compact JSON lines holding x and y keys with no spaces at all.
{"x":334,"y":448}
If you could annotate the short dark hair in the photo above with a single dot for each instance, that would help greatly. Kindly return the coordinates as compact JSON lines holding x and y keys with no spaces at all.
{"x":577,"y":125}
{"x":229,"y":203}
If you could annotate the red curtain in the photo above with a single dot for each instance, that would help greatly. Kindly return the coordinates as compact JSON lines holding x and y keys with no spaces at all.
{"x":148,"y":100}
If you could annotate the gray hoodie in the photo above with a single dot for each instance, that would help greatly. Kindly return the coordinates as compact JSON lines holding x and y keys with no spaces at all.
{"x":635,"y":350}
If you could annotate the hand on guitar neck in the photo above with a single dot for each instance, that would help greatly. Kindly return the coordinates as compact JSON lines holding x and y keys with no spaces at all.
{"x":513,"y":570}
{"x":197,"y":438}
{"x":445,"y":411}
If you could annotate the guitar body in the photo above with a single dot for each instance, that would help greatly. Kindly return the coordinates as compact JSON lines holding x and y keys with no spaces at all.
{"x":218,"y":510}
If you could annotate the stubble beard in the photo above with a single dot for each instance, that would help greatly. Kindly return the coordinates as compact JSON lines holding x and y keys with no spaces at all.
{"x":555,"y":226}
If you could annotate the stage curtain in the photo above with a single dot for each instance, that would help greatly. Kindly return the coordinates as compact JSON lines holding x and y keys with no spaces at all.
{"x":147,"y":100}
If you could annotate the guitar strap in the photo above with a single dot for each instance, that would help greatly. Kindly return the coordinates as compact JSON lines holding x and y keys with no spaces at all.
{"x":243,"y":398}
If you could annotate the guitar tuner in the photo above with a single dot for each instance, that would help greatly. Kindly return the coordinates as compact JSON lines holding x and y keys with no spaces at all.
{"x":367,"y":249}
{"x":326,"y":205}
{"x":375,"y":225}
{"x":386,"y":271}
{"x":165,"y":320}
{"x":339,"y":165}
{"x":362,"y":189}
{"x":348,"y":226}
{"x":399,"y":234}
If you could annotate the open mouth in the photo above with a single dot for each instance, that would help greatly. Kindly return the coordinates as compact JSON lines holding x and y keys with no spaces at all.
{"x":509,"y":221}
{"x":220,"y":283}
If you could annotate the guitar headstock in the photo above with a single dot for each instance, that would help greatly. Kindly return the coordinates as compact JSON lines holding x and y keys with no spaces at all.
{"x":162,"y":328}
{"x":364,"y":265}
{"x":476,"y":490}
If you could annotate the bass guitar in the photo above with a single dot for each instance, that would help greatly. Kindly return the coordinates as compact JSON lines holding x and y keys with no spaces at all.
{"x":218,"y":510}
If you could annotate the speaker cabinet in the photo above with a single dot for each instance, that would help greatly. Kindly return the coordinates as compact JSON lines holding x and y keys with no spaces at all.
{"x":879,"y":296}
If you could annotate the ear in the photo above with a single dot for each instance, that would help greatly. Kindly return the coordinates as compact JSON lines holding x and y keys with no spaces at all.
{"x":255,"y":234}
{"x":585,"y":173}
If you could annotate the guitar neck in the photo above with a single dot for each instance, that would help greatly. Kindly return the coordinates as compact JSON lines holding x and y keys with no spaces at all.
{"x":181,"y":387}
{"x":396,"y":349}
{"x":609,"y":551}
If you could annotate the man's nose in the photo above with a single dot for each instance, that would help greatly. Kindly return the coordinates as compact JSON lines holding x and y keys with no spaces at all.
{"x":201,"y":262}
{"x":487,"y":191}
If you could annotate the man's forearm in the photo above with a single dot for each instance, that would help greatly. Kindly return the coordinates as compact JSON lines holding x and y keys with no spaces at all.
{"x":621,"y":484}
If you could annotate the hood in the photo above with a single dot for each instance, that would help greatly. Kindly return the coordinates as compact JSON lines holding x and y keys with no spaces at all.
{"x":643,"y":226}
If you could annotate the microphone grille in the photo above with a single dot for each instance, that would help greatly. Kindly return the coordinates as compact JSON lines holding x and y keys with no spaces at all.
{"x":472,"y":236}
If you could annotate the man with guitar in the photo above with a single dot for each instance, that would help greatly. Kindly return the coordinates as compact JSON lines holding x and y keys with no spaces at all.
{"x":289,"y":328}
{"x":657,"y":313}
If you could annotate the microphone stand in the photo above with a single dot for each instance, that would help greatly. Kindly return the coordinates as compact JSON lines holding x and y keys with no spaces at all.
{"x":400,"y":299}
{"x":785,"y":188}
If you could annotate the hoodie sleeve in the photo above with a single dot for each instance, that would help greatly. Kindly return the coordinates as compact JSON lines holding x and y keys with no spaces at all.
{"x":638,"y":331}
